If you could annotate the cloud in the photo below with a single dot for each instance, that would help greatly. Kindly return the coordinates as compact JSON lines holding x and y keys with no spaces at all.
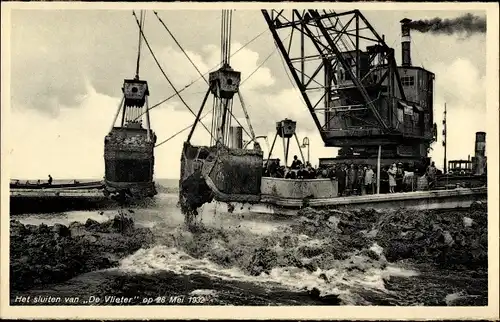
{"x":60,"y":148}
{"x":72,"y":145}
{"x":71,"y":117}
{"x":69,"y":146}
{"x":460,"y":84}
{"x":462,"y":88}
{"x":67,"y":78}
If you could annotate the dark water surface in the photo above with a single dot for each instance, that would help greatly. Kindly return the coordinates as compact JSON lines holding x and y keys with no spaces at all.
{"x":215,"y":266}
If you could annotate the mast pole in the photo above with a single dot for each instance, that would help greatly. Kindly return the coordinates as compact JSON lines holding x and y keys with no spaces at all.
{"x":378,"y":168}
{"x":141,"y":26}
{"x":444,"y":139}
{"x":148,"y":124}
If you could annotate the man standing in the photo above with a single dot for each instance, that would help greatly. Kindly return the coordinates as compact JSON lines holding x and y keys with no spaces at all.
{"x":351,"y":179}
{"x":392,"y":177}
{"x":360,"y":174}
{"x":50,"y":180}
{"x":369,"y":180}
{"x":273,"y":168}
{"x":431,"y":175}
{"x":340,"y":174}
{"x":399,"y":177}
{"x":296,"y":163}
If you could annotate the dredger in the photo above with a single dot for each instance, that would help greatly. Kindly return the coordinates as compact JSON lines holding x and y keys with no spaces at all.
{"x":376,"y":112}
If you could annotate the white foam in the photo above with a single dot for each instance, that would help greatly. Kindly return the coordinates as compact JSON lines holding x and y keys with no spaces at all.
{"x":204,"y":292}
{"x":65,"y":218}
{"x":377,"y":249}
{"x":392,"y":270}
{"x":468,"y":221}
{"x":339,"y":280}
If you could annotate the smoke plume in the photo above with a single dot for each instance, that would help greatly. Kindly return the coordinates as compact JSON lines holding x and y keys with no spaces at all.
{"x":467,"y":24}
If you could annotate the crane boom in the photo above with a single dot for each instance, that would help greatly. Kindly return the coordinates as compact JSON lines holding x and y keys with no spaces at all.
{"x":363,"y":101}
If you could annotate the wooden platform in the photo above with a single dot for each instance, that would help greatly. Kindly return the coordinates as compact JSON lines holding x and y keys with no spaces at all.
{"x":438,"y":199}
{"x":421,"y":200}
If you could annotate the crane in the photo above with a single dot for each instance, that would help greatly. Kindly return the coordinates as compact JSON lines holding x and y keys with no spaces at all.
{"x":129,"y":147}
{"x":359,"y":99}
{"x":225,"y":168}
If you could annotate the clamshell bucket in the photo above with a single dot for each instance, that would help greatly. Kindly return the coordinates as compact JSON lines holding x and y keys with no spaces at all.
{"x":220,"y":173}
{"x":235,"y":174}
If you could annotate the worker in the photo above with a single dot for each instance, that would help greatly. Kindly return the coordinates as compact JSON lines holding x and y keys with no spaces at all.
{"x":431,"y":175}
{"x":273,"y":168}
{"x":392,"y":177}
{"x":340,"y":174}
{"x":301,"y":172}
{"x":408,"y":181}
{"x":351,"y":179}
{"x":369,"y":179}
{"x":399,"y":177}
{"x":290,"y":174}
{"x":50,"y":179}
{"x":360,"y":175}
{"x":309,"y":172}
{"x":296,"y":163}
{"x":281,"y":172}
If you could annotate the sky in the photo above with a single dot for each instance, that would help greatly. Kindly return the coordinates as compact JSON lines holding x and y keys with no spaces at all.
{"x":68,"y":66}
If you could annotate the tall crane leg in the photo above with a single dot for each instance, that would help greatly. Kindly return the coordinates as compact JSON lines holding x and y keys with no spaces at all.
{"x":117,"y":113}
{"x":198,"y":116}
{"x":271,"y":150}
{"x":298,"y":144}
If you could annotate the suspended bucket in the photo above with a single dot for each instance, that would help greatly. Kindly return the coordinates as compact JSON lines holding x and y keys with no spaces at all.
{"x":220,"y":173}
{"x":129,"y":162}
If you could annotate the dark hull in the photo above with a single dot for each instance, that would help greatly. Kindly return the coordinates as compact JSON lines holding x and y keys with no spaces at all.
{"x":84,"y":185}
{"x":29,"y":204}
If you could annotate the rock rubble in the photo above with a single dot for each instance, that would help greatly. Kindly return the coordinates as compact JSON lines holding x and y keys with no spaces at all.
{"x":50,"y":254}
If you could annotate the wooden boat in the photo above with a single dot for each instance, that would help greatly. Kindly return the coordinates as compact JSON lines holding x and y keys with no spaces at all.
{"x":73,"y":185}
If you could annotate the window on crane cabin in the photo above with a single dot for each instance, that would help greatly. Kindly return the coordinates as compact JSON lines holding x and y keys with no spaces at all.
{"x":348,"y":61}
{"x":408,"y":80}
{"x":347,"y":76}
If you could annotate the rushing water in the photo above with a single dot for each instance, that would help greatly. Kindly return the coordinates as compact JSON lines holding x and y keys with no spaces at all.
{"x":213,"y":264}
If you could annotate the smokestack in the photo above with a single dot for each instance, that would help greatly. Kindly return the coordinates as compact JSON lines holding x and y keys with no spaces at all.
{"x":236,"y":137}
{"x":480,"y":153}
{"x":405,"y":42}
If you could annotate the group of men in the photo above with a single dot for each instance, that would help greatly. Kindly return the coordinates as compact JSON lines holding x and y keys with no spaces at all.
{"x":356,"y":179}
{"x":297,"y":170}
{"x":362,"y":179}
